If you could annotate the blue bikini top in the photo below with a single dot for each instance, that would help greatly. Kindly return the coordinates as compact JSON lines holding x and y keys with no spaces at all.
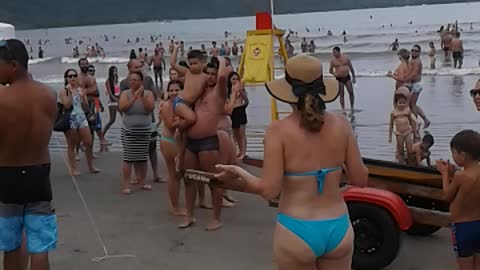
{"x":320,"y":175}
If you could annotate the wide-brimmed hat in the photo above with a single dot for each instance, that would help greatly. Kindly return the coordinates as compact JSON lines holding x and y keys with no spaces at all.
{"x":303,"y":74}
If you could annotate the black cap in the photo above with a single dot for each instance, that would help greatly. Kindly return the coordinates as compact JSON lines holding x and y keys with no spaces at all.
{"x":14,"y":50}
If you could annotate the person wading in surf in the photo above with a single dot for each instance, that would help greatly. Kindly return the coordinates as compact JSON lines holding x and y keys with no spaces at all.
{"x":341,"y":67}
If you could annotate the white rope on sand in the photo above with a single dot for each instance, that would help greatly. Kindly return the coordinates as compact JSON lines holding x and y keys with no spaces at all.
{"x":106,"y":255}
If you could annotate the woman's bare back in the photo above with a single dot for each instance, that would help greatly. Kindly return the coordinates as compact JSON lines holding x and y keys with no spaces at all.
{"x":307,"y":152}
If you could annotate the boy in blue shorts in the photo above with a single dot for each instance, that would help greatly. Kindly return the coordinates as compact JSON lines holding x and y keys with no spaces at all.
{"x":462,"y":190}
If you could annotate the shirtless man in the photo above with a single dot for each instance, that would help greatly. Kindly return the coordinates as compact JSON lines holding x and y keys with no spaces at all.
{"x":340,"y":67}
{"x":214,"y":52}
{"x":89,"y":84}
{"x":86,"y":81}
{"x":25,"y":191}
{"x":227,"y":49}
{"x":457,"y":51}
{"x":446,"y":43}
{"x":204,"y":142}
{"x":304,"y":45}
{"x":158,"y":67}
{"x":141,"y":55}
{"x":415,"y":78}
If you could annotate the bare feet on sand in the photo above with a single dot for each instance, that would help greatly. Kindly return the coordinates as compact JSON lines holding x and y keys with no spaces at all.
{"x":94,"y":171}
{"x":188,"y":222}
{"x":214,"y":225}
{"x":229,"y":197}
{"x":75,"y":173}
{"x":227,"y":204}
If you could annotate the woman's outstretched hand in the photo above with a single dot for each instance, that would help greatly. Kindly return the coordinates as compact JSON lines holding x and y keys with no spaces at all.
{"x":230,"y":173}
{"x":233,"y":177}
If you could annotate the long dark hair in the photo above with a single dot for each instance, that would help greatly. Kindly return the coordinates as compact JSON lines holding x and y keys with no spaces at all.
{"x":66,"y":73}
{"x":229,"y":82}
{"x":111,"y":79}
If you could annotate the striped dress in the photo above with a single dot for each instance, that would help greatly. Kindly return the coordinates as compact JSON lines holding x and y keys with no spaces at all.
{"x":136,"y":132}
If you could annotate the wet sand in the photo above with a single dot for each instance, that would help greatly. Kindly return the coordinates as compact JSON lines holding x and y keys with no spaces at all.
{"x":445,"y":100}
{"x":140,"y":225}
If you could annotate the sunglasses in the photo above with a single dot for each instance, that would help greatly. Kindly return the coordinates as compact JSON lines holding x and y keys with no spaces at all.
{"x":4,"y":44}
{"x":474,"y":92}
{"x":91,"y":70}
{"x":72,"y":76}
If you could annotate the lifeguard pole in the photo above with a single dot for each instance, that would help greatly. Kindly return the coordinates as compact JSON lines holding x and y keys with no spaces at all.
{"x":257,"y":65}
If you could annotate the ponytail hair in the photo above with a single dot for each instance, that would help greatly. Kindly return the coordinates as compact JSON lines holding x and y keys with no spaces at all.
{"x":312,"y":110}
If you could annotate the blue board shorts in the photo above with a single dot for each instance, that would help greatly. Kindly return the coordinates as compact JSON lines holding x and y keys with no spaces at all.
{"x":466,"y":238}
{"x":25,"y":205}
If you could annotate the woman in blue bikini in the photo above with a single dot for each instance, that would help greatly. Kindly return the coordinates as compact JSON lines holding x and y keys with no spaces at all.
{"x":304,"y":156}
{"x":168,"y":145}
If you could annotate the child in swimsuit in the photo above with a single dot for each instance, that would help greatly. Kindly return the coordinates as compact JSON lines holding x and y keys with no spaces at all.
{"x":462,"y":190}
{"x":404,"y":122}
{"x":421,"y":150}
{"x":194,"y":86}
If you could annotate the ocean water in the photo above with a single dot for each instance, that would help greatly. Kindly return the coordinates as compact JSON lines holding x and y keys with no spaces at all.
{"x":367,"y":42}
{"x":445,"y":98}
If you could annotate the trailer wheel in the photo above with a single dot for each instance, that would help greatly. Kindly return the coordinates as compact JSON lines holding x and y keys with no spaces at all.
{"x":422,"y":229}
{"x":377,"y":236}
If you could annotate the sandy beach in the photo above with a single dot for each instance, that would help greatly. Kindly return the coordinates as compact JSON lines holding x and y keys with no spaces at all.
{"x":99,"y":228}
{"x":445,"y":100}
{"x":140,"y":225}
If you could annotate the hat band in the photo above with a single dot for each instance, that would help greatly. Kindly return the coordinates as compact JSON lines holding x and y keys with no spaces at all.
{"x":301,"y":88}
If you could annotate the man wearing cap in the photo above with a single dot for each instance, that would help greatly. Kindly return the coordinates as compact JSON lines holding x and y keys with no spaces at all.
{"x":29,"y":112}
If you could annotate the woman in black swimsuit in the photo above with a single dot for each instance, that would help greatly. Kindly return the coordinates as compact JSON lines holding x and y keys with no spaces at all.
{"x":238,"y":115}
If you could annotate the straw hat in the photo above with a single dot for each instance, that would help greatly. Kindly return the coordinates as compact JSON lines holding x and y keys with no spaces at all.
{"x":303,"y":74}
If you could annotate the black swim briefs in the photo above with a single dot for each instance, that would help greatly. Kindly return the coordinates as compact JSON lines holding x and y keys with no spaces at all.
{"x":27,"y":184}
{"x":205,"y":144}
{"x":344,"y":80}
{"x":457,"y":55}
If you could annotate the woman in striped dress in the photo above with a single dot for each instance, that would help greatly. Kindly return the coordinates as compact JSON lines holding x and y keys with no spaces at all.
{"x":136,"y":104}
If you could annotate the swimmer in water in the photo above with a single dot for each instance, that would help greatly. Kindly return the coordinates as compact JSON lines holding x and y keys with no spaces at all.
{"x":394,"y":46}
{"x":457,"y":51}
{"x":432,"y":54}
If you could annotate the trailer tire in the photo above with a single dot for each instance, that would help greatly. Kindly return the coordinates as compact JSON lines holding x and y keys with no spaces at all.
{"x":377,"y":236}
{"x":423,"y":229}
